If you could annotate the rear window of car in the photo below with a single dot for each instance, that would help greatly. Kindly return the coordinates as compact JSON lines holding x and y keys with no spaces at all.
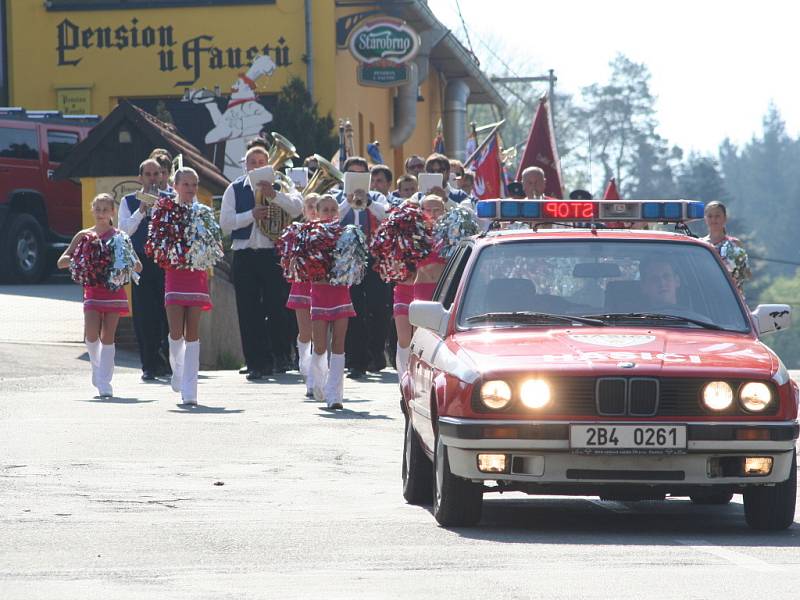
{"x":592,"y":277}
{"x":60,"y":144}
{"x":18,"y":143}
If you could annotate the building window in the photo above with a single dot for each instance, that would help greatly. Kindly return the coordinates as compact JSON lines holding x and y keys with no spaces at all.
{"x":18,"y":143}
{"x":60,"y":144}
{"x":123,"y":4}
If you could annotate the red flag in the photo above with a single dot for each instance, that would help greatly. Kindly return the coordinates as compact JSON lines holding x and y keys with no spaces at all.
{"x":541,"y":151}
{"x":611,"y":192}
{"x":487,"y":171}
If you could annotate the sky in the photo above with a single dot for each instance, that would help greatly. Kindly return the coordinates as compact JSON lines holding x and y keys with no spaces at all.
{"x":715,"y":64}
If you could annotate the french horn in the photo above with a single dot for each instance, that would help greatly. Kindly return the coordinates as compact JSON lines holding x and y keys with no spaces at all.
{"x":324,"y":178}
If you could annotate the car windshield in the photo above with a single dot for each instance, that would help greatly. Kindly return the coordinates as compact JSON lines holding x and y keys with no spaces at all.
{"x":618,"y":282}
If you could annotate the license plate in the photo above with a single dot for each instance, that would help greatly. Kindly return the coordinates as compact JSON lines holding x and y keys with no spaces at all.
{"x":627,"y":439}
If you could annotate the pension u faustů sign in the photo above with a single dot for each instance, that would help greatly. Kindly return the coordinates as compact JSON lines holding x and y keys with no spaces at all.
{"x":384,"y":48}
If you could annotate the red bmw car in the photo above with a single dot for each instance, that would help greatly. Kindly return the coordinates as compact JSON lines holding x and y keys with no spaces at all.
{"x":622,"y":364}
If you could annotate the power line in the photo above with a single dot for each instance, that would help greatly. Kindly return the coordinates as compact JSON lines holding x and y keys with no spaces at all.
{"x":464,"y":26}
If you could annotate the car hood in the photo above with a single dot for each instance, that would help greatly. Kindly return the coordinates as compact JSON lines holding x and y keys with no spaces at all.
{"x":656,"y":351}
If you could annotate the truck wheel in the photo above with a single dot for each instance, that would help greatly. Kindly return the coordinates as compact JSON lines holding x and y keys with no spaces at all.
{"x":712,"y":498}
{"x":457,"y":502}
{"x":772,"y":507}
{"x":417,"y":472}
{"x":23,"y":254}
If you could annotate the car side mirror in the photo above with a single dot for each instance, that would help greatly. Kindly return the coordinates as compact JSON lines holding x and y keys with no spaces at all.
{"x":429,"y":315}
{"x":772,"y":317}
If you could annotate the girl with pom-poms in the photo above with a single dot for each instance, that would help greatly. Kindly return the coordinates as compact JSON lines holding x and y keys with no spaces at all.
{"x":335,"y":257}
{"x":300,"y":294}
{"x":185,"y":240}
{"x":728,"y":247}
{"x":102,"y":259}
{"x":429,"y":269}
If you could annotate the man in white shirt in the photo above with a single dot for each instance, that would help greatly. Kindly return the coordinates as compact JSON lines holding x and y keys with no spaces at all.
{"x":147,"y":298}
{"x":261,"y":290}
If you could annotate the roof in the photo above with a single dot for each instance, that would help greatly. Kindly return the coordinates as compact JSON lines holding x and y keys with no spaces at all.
{"x":101,"y":154}
{"x":448,"y":55}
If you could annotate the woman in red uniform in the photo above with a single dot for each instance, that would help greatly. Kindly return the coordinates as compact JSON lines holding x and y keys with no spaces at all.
{"x":186,"y":297}
{"x":331,"y":308}
{"x":429,"y":269}
{"x":300,"y":301}
{"x":102,"y":307}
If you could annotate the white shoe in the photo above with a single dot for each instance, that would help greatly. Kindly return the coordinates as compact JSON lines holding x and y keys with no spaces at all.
{"x":93,"y":350}
{"x":334,"y":385}
{"x":319,"y":372}
{"x":105,"y":371}
{"x":189,"y":401}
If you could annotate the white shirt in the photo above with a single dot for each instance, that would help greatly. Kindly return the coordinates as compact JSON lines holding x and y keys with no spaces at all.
{"x":128,"y":222}
{"x":229,"y":219}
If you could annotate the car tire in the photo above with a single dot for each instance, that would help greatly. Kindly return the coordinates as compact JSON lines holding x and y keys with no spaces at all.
{"x":457,"y":502}
{"x":23,"y":254}
{"x":771,"y":508}
{"x":417,"y":470}
{"x":712,"y":498}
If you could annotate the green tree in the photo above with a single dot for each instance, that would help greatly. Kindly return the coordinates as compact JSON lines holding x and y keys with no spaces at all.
{"x":785,"y":290}
{"x":297,"y":118}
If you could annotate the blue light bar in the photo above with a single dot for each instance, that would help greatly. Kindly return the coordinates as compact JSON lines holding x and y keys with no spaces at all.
{"x":604,"y":211}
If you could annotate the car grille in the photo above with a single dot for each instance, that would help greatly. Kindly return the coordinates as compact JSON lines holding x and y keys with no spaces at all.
{"x":626,"y":397}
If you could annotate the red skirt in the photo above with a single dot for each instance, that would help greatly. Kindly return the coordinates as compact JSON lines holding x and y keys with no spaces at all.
{"x":101,"y":299}
{"x":186,"y":287}
{"x":299,"y":295}
{"x":403,"y":295}
{"x":331,"y":302}
{"x":424,"y":291}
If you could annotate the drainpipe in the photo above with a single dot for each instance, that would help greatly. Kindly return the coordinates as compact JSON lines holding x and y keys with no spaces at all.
{"x":455,"y":117}
{"x":405,"y":103}
{"x":309,"y":52}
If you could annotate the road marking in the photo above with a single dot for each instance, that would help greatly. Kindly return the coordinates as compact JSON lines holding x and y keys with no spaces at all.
{"x":739,"y":559}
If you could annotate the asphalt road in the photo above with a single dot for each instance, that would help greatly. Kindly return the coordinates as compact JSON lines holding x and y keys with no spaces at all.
{"x":258,"y":493}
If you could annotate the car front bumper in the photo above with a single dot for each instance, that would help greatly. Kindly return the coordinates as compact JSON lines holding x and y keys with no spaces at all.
{"x":538,"y":453}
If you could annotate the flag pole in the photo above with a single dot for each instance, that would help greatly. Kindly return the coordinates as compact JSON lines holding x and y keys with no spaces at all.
{"x":485,"y":141}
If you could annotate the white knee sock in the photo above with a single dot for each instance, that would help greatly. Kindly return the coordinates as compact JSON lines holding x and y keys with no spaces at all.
{"x":303,"y":357}
{"x":402,"y":360}
{"x":191,"y":365}
{"x":106,"y":369}
{"x":93,"y":349}
{"x":177,"y":349}
{"x":319,"y":372}
{"x":334,"y":384}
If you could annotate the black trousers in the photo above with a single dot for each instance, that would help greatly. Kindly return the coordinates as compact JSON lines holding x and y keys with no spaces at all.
{"x":367,"y":331}
{"x":149,"y":316}
{"x":261,"y":294}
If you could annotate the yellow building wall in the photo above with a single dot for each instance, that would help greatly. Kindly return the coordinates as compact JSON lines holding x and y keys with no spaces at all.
{"x":159,"y":52}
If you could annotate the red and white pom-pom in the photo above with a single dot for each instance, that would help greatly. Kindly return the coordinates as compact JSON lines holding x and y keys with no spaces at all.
{"x":90,"y":261}
{"x":401,"y":241}
{"x":313,"y":249}
{"x":166,"y":234}
{"x":285,"y":246}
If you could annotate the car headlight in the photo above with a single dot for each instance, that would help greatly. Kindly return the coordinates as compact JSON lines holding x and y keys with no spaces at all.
{"x":717,"y":395}
{"x":495,"y":394}
{"x":535,"y":393}
{"x":755,"y":396}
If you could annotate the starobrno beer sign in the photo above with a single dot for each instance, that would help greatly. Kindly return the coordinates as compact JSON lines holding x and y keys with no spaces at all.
{"x":384,"y":47}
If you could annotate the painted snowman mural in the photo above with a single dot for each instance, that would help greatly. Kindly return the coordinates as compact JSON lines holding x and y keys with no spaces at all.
{"x":244,"y":117}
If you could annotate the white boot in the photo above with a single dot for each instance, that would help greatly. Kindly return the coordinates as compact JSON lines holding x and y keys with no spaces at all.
{"x":319,"y":372}
{"x":106,"y":370}
{"x":191,"y":364}
{"x":304,"y":362}
{"x":93,"y":350}
{"x":334,"y":385}
{"x":177,"y":349}
{"x":401,"y":361}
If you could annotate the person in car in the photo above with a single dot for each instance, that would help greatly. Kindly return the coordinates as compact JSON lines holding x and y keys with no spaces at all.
{"x":659,"y":283}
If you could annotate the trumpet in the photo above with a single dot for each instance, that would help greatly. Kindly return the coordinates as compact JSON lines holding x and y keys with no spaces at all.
{"x":324,"y":178}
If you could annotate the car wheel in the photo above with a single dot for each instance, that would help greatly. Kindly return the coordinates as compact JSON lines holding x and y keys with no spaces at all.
{"x":417,"y":472}
{"x":23,"y":250}
{"x":772,"y":507}
{"x":713,"y":498}
{"x":457,"y":502}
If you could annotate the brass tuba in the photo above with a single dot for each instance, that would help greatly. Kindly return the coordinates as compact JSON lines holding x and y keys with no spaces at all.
{"x":324,"y":178}
{"x":281,"y":153}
